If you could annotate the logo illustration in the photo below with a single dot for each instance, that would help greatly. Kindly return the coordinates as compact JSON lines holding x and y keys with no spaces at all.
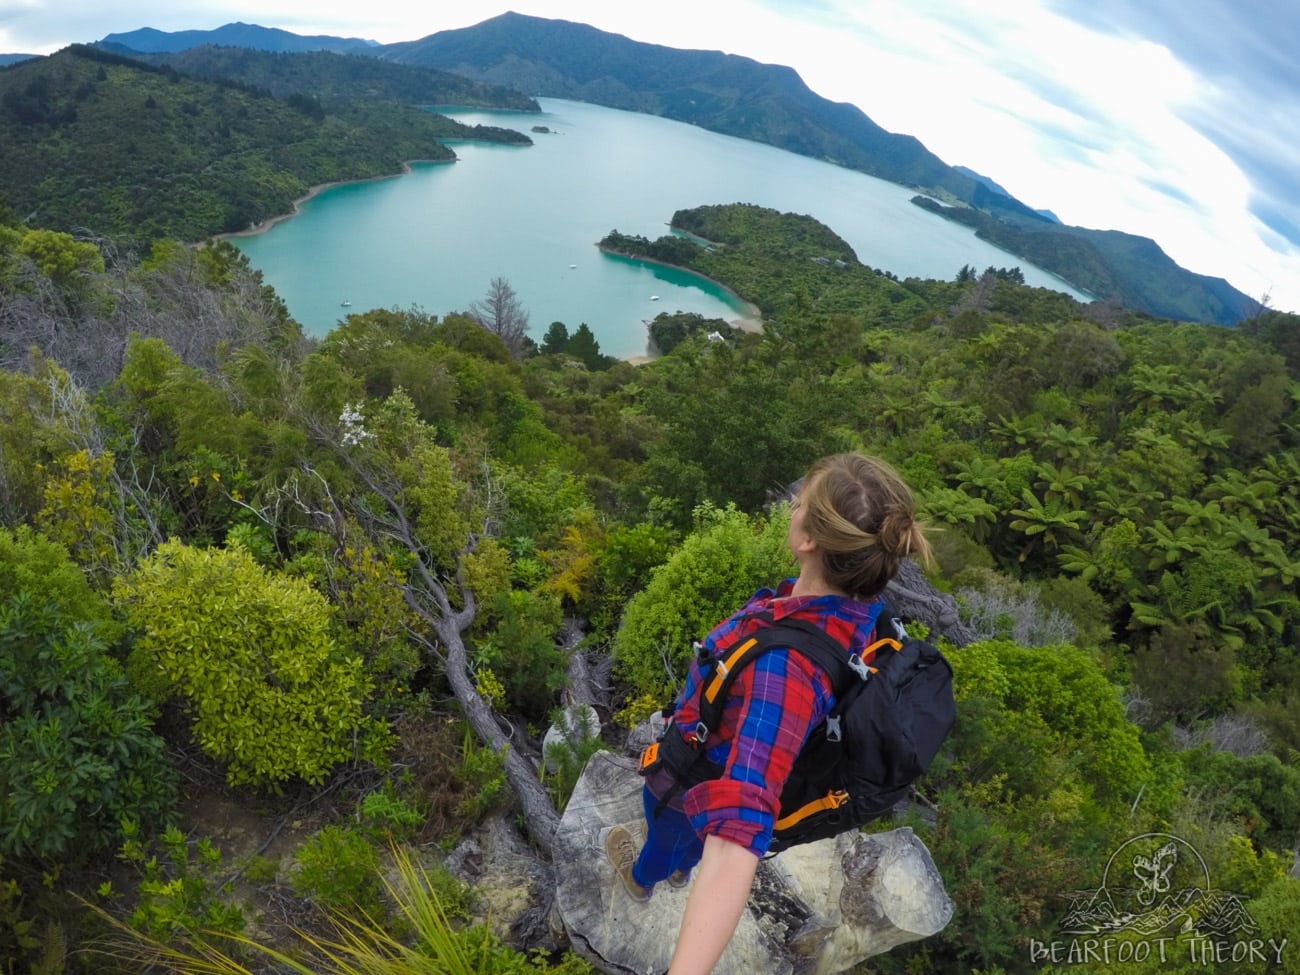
{"x":1156,"y":900}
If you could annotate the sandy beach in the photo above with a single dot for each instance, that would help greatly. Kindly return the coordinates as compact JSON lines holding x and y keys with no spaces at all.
{"x":263,"y":226}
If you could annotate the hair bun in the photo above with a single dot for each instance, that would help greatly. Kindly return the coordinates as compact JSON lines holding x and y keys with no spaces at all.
{"x":895,"y":534}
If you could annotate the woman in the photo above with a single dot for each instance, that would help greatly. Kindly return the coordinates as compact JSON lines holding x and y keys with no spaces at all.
{"x":850,"y":527}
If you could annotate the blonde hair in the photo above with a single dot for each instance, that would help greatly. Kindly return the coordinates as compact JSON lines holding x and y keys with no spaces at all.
{"x":862,"y":517}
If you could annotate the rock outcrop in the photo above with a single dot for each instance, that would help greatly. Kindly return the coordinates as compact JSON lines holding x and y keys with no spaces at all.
{"x":815,"y":910}
{"x":913,"y":598}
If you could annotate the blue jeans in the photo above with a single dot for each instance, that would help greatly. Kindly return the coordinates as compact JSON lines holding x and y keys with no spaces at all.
{"x":671,"y":843}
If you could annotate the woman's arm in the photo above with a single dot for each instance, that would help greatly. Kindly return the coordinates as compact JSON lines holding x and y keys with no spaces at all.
{"x":713,"y":909}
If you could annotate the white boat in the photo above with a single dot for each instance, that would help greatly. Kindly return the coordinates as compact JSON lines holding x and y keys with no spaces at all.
{"x":654,"y":297}
{"x":345,"y":303}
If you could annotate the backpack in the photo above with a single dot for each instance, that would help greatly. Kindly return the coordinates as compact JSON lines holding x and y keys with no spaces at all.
{"x":889,"y":719}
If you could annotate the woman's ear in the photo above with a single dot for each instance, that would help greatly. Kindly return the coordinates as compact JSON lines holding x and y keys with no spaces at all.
{"x":806,"y":546}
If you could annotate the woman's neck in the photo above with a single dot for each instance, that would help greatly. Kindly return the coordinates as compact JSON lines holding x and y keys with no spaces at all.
{"x":812,"y":583}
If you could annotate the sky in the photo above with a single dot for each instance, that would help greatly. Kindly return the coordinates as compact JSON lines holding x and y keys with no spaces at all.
{"x":1177,"y":120}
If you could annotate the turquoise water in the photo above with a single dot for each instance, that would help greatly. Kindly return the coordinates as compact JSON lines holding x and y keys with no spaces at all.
{"x":435,"y":237}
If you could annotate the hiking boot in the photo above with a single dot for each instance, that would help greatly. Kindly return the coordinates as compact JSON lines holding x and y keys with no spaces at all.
{"x":622,"y":850}
{"x":679,"y":878}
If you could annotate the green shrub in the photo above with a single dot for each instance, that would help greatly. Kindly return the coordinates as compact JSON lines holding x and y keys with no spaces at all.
{"x":720,"y":564}
{"x":176,"y":894}
{"x":339,"y":870}
{"x":522,"y":652}
{"x":482,"y":775}
{"x":77,"y":747}
{"x":249,"y":652}
{"x":390,"y":814}
{"x":361,"y":944}
{"x":1044,"y":715}
{"x":566,"y":758}
{"x":1259,"y":792}
{"x":30,"y":562}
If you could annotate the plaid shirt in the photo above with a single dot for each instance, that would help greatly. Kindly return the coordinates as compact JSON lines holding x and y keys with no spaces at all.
{"x":771,"y":708}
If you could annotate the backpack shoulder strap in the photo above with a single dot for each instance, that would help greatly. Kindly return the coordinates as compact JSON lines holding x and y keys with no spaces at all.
{"x":806,"y":639}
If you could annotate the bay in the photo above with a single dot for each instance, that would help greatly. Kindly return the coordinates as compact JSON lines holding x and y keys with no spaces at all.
{"x":435,"y":237}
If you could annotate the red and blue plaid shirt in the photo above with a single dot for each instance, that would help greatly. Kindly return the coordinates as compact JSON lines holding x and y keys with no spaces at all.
{"x":771,"y":708}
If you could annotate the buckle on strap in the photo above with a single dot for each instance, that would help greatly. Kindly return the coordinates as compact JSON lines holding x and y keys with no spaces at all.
{"x":859,"y":667}
{"x":833,"y":732}
{"x":701,"y":733}
{"x":831,"y":801}
{"x":649,"y":759}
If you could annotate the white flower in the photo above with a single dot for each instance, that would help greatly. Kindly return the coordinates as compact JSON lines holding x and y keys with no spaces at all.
{"x":354,"y":434}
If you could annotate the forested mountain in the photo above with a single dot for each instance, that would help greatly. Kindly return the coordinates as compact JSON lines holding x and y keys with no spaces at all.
{"x":770,"y":103}
{"x":999,"y":188}
{"x":1132,"y":269}
{"x":147,"y":40}
{"x":335,"y":588}
{"x":336,"y":79}
{"x":92,"y":140}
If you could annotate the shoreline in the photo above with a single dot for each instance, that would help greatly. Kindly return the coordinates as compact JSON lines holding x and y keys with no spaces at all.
{"x":262,"y":226}
{"x":749,"y":320}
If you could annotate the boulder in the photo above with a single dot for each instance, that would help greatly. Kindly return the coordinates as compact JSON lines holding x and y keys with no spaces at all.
{"x":816,"y":909}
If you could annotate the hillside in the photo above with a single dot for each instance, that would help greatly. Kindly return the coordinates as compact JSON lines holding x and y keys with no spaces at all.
{"x":1111,"y":264}
{"x":336,"y":79}
{"x":771,"y":104}
{"x":787,"y":264}
{"x":92,"y":140}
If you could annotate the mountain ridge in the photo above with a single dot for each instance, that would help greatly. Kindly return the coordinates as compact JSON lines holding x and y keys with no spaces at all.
{"x":726,"y":93}
{"x":333,"y":78}
{"x":148,"y":40}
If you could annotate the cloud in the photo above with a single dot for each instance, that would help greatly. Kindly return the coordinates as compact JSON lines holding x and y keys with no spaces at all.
{"x":1171,"y":191}
{"x":1248,"y":96}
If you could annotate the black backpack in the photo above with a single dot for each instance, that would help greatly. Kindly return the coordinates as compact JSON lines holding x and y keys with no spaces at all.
{"x":889,"y":719}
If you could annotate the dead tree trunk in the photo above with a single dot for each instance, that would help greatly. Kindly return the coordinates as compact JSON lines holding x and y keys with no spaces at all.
{"x":538,"y":812}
